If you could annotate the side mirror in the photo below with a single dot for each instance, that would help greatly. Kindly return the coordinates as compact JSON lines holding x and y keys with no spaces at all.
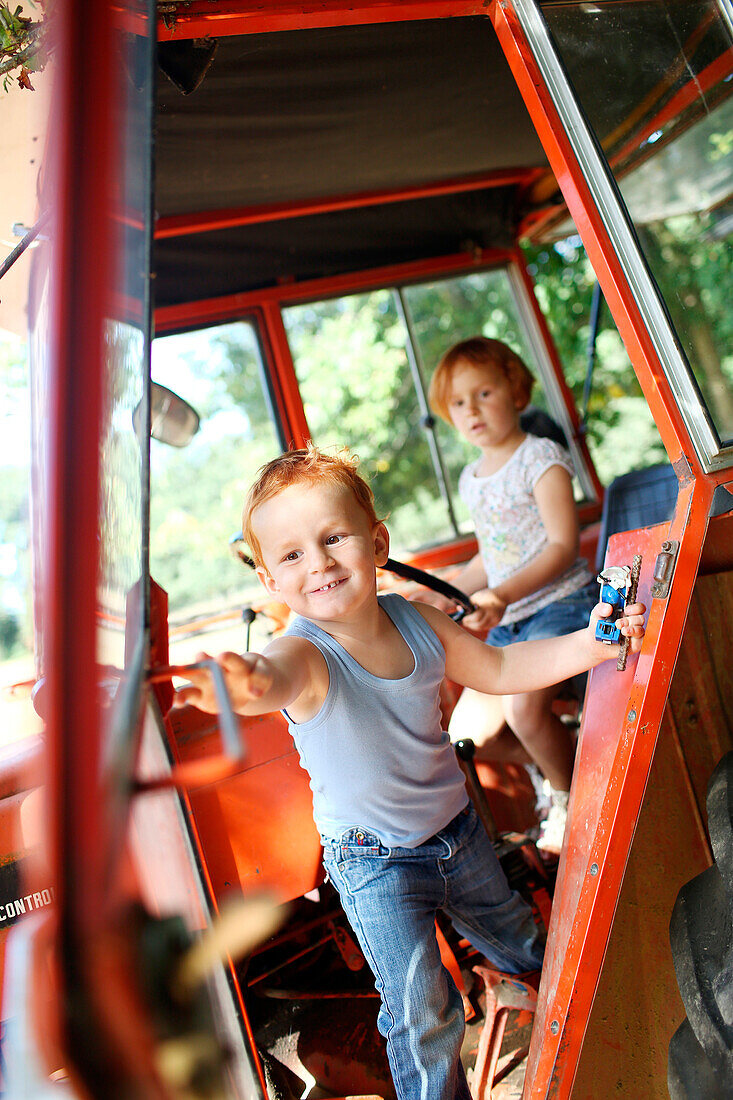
{"x":172,"y":420}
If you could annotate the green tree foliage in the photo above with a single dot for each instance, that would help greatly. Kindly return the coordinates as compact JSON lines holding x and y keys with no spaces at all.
{"x":620,"y":430}
{"x":197,"y":493}
{"x":692,"y":260}
{"x":22,"y":48}
{"x":358,"y":390}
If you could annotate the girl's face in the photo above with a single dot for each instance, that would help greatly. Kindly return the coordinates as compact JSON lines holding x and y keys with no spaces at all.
{"x":482,"y":406}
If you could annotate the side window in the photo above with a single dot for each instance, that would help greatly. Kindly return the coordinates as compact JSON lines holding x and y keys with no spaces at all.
{"x":358,"y":391}
{"x":655,"y":81}
{"x":363,"y":365}
{"x":197,"y":491}
{"x":618,"y":423}
{"x":454,"y":309}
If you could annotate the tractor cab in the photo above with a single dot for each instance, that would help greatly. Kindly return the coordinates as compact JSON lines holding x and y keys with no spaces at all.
{"x":263,"y":225}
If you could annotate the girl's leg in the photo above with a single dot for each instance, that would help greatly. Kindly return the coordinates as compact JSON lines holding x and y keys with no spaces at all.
{"x":391,"y":898}
{"x":481,"y":717}
{"x":548,"y":742}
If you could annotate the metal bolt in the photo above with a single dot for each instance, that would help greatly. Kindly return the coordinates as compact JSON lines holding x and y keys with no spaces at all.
{"x":631,"y":716}
{"x":554,"y":1027}
{"x":594,"y":868}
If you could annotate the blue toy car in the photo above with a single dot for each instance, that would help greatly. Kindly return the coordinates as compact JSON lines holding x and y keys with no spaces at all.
{"x":614,"y":582}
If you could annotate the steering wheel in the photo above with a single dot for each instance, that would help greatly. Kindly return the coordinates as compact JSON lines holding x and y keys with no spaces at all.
{"x":407,"y":572}
{"x":427,"y":580}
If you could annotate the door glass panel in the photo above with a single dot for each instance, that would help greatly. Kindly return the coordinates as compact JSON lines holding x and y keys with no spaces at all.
{"x":618,"y":423}
{"x":197,"y":491}
{"x":655,"y":80}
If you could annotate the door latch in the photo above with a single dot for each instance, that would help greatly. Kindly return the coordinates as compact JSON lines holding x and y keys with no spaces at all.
{"x":664,"y":569}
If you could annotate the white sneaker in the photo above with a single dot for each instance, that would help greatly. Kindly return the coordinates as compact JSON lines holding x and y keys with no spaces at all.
{"x":552,"y":829}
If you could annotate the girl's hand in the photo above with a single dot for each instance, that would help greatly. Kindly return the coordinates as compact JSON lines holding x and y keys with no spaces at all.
{"x":631,"y":625}
{"x":248,"y":676}
{"x":435,"y":599}
{"x":489,"y":611}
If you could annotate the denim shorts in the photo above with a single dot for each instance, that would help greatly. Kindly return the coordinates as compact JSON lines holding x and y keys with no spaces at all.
{"x":561,"y":617}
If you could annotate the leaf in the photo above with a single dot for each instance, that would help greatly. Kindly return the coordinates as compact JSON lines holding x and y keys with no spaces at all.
{"x":24,"y":79}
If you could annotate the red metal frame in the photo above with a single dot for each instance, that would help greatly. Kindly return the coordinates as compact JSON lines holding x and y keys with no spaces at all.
{"x":229,"y":307}
{"x":283,"y":375}
{"x":217,"y":18}
{"x":99,"y":1013}
{"x":176,"y":225}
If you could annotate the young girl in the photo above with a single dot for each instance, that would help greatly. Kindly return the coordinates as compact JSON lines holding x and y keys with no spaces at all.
{"x":527,"y":580}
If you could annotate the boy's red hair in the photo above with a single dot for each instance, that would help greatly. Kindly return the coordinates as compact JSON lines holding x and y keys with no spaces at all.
{"x":481,"y":351}
{"x":308,"y":465}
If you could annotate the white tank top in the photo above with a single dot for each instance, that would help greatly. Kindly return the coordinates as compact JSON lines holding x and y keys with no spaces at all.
{"x":376,"y":753}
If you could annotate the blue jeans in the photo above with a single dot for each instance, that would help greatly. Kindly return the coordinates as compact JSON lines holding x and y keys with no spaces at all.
{"x":561,"y":617}
{"x":391,"y":897}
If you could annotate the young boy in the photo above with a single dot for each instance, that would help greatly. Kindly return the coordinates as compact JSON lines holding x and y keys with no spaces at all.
{"x":358,"y":677}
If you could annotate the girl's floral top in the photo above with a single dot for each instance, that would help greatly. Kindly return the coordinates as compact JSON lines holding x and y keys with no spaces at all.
{"x":508,"y":525}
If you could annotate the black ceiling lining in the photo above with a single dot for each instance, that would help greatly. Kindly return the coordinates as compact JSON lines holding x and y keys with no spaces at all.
{"x":302,"y":115}
{"x":306,"y":114}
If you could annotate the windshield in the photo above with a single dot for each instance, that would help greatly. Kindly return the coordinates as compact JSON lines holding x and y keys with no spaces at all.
{"x":655,"y":81}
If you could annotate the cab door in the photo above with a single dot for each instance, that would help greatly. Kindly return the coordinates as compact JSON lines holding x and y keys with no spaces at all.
{"x":88,"y":992}
{"x":632,"y":102}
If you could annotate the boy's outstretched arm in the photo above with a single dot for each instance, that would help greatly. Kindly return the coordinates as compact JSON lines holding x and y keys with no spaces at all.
{"x":528,"y":666}
{"x":290,"y":671}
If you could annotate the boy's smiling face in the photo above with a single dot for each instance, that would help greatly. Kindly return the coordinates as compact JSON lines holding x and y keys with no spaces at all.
{"x":320,"y":551}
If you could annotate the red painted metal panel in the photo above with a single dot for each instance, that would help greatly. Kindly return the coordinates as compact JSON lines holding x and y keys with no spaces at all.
{"x":621,"y":721}
{"x":255,"y":830}
{"x":283,"y":374}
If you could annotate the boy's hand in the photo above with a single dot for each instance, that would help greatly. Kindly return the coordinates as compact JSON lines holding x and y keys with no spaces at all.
{"x":631,"y":625}
{"x":489,"y":611}
{"x":248,"y":676}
